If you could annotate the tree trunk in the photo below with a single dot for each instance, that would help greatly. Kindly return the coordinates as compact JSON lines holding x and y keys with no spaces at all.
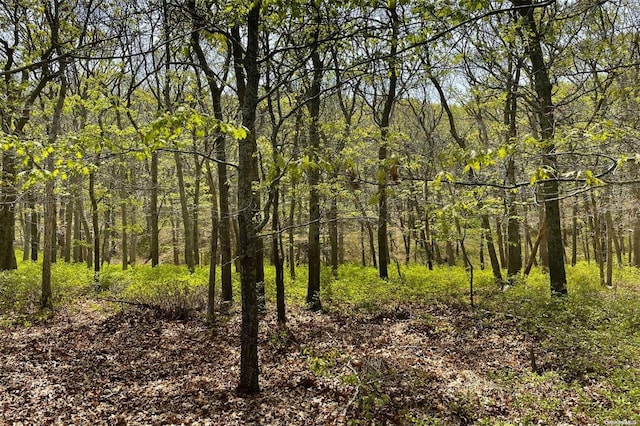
{"x":534,"y":249}
{"x":574,"y":233}
{"x":49,"y":220}
{"x":109,"y":221}
{"x":362,"y":249}
{"x":154,"y":245}
{"x":174,"y":235}
{"x":618,"y":243}
{"x":544,"y":254}
{"x":587,"y":251}
{"x":278,"y":260}
{"x":372,"y":244}
{"x":514,"y":247}
{"x":367,"y":224}
{"x":213,"y":260}
{"x":426,"y":231}
{"x":186,"y":216}
{"x":235,"y":244}
{"x":225,"y":222}
{"x":383,"y":212}
{"x":77,"y":228}
{"x":195,"y":222}
{"x":383,"y":167}
{"x":7,"y":211}
{"x":545,"y":116}
{"x":341,"y":243}
{"x":133,"y":246}
{"x":124,"y":240}
{"x":26,"y":234}
{"x":50,"y":197}
{"x":333,"y":235}
{"x":481,"y":254}
{"x":35,"y":232}
{"x":500,"y":241}
{"x":292,"y":209}
{"x":597,"y":240}
{"x":247,"y":201}
{"x":451,"y":256}
{"x":96,"y":229}
{"x":313,"y":287}
{"x":406,"y":237}
{"x":495,"y":266}
{"x":610,"y":233}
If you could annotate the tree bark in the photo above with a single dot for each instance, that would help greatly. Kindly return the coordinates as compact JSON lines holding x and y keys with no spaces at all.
{"x":333,"y":235}
{"x":597,"y":240}
{"x":186,"y":216}
{"x":50,"y":198}
{"x":500,"y":242}
{"x":514,"y":246}
{"x":109,"y":221}
{"x":195,"y":218}
{"x":96,"y":229}
{"x":174,"y":235}
{"x":7,"y":212}
{"x":154,"y":245}
{"x":534,"y":249}
{"x":610,"y":233}
{"x":133,"y":246}
{"x":574,"y":233}
{"x":313,"y":105}
{"x":278,"y":260}
{"x":545,"y":115}
{"x":77,"y":227}
{"x":292,"y":209}
{"x":213,"y":260}
{"x":34,"y":221}
{"x":493,"y":257}
{"x":384,"y":122}
{"x":26,"y":234}
{"x":225,"y":222}
{"x":247,"y":204}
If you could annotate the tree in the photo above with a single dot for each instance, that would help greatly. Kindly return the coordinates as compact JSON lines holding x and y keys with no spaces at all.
{"x":22,"y":82}
{"x":544,"y":114}
{"x":247,"y":200}
{"x":215,"y":89}
{"x":383,"y":120}
{"x":313,"y":105}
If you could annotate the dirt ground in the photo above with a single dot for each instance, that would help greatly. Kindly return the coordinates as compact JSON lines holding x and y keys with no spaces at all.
{"x":96,"y":363}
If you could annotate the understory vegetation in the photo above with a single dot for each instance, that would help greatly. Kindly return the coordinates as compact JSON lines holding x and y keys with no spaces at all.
{"x":410,"y":350}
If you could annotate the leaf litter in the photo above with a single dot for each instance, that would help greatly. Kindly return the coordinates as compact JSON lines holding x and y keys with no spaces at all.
{"x":95,"y":363}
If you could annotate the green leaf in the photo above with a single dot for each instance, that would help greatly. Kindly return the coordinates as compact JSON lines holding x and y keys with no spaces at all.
{"x":239,"y":133}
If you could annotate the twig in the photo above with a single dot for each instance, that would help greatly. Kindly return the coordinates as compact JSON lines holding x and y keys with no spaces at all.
{"x":355,"y":394}
{"x":127,"y":302}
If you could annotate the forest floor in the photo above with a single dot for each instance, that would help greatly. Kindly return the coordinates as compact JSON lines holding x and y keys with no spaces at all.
{"x":97,"y":362}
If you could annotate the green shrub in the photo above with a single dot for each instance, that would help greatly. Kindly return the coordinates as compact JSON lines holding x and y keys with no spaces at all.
{"x":170,"y":290}
{"x":20,"y":289}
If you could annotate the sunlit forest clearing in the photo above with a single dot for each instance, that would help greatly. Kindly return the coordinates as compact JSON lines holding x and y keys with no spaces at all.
{"x":409,"y":350}
{"x":316,"y":212}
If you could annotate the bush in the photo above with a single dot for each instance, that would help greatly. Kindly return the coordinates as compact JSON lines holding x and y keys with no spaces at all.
{"x":20,"y":289}
{"x":170,"y":290}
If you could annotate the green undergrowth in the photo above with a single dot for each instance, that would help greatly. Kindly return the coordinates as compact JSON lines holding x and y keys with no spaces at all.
{"x":171,"y":290}
{"x":590,"y":339}
{"x":20,"y":290}
{"x":586,"y":344}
